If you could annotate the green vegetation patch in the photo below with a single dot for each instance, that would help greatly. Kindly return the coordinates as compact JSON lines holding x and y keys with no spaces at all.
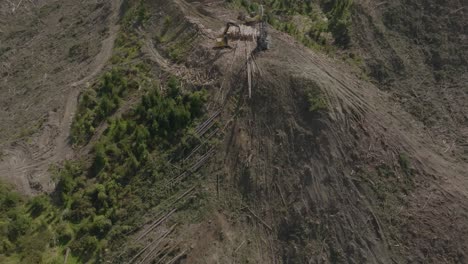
{"x":317,"y":100}
{"x":179,"y":50}
{"x":92,"y":205}
{"x":405,"y":164}
{"x":388,"y":185}
{"x":130,"y":171}
{"x":175,"y":39}
{"x":24,"y":229}
{"x":321,"y":25}
{"x":339,"y":15}
{"x":99,"y":102}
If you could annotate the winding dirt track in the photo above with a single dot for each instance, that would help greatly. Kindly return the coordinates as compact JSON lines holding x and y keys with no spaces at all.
{"x":26,"y":164}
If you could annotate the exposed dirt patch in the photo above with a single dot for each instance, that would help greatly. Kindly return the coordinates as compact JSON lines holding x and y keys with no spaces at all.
{"x":417,"y":50}
{"x":46,"y":93}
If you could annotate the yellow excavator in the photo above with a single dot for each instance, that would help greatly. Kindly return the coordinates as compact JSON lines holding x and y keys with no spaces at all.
{"x":222,"y":41}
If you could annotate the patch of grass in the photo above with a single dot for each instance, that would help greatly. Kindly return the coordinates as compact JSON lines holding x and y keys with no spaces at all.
{"x":179,"y":50}
{"x":78,"y":52}
{"x":29,"y":131}
{"x":195,"y":209}
{"x":136,"y":16}
{"x":4,"y":50}
{"x":405,"y":164}
{"x":387,"y":193}
{"x":175,"y":39}
{"x":317,"y":100}
{"x":162,"y":36}
{"x":127,"y":47}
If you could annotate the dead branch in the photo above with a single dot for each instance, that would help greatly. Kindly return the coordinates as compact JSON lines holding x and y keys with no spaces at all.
{"x":195,"y":166}
{"x":156,"y":223}
{"x":177,"y":257}
{"x":207,"y":122}
{"x":259,"y":219}
{"x":201,"y":145}
{"x":66,"y":256}
{"x":157,"y":244}
{"x":238,"y":247}
{"x":281,"y":194}
{"x":169,"y":250}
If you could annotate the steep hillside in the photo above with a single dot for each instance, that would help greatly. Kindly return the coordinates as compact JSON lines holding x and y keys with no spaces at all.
{"x":417,"y":50}
{"x":48,"y":51}
{"x":160,"y":155}
{"x":316,"y":177}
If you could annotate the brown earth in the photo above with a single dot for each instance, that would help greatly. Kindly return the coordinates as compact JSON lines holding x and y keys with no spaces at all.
{"x":50,"y":50}
{"x":417,"y":50}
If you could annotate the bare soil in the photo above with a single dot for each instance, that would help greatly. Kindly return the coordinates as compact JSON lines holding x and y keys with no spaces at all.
{"x":53,"y":50}
{"x":417,"y":51}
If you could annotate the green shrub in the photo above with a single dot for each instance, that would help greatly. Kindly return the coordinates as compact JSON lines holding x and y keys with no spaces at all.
{"x":68,"y":180}
{"x":100,"y":160}
{"x":32,"y":256}
{"x":64,"y":233}
{"x":32,"y":246}
{"x":405,"y":164}
{"x":99,"y":102}
{"x":135,"y":16}
{"x":142,"y":14}
{"x":101,"y":226}
{"x":38,"y":205}
{"x":316,"y":99}
{"x":84,"y":247}
{"x":81,"y":208}
{"x":19,"y":224}
{"x":339,"y":15}
{"x":283,"y":14}
{"x":8,"y":199}
{"x":6,"y":247}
